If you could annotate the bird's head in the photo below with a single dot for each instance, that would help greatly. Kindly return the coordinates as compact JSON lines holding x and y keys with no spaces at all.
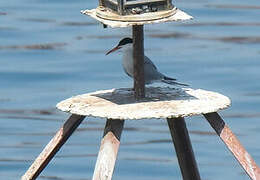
{"x":123,"y":43}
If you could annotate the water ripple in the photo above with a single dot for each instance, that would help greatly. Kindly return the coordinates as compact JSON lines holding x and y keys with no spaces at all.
{"x":234,"y":6}
{"x":73,"y":23}
{"x":32,"y":111}
{"x":47,"y":46}
{"x":221,"y":24}
{"x":3,"y":13}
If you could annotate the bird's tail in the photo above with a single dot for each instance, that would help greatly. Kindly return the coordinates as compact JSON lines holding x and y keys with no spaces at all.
{"x":172,"y":81}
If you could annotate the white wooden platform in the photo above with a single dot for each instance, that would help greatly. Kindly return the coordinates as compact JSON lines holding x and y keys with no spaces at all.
{"x":159,"y":103}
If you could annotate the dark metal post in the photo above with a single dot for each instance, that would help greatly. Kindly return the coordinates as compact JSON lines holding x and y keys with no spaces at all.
{"x":169,"y":3}
{"x":101,"y":2}
{"x":183,"y":148}
{"x":138,"y":54}
{"x":120,"y":7}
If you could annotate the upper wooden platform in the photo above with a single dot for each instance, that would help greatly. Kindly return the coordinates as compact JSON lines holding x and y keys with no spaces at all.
{"x":112,"y":19}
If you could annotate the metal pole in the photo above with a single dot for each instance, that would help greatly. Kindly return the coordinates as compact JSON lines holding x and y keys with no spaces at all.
{"x":183,"y":148}
{"x":169,"y":3}
{"x":120,"y":9}
{"x":138,"y":54}
{"x":101,"y":2}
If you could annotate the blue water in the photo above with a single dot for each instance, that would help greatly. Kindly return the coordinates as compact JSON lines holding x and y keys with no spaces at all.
{"x":50,"y":52}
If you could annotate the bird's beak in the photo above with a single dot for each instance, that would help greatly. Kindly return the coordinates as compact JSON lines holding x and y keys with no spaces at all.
{"x":112,"y":50}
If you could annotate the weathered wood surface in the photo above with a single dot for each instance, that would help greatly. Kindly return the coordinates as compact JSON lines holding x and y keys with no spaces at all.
{"x":108,"y":150}
{"x":53,"y":147}
{"x":233,"y":144}
{"x":183,"y":148}
{"x":160,"y":102}
{"x":146,"y":18}
{"x":138,"y":55}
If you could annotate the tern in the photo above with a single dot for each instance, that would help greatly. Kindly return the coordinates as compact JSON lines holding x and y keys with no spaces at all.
{"x":151,"y":73}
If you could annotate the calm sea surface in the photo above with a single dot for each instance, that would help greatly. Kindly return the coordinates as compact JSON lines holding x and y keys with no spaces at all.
{"x":50,"y":52}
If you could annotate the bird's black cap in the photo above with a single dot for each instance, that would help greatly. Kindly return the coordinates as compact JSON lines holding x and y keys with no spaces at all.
{"x":125,"y":41}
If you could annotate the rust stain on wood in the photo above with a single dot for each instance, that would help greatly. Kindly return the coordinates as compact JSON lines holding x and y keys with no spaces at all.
{"x":108,"y":150}
{"x":240,"y":153}
{"x":233,"y":144}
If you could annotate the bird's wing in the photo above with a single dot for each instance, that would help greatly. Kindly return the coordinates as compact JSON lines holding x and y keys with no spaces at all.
{"x":150,"y":71}
{"x":149,"y":62}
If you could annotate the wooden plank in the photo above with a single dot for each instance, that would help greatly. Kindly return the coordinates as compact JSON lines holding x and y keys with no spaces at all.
{"x":53,"y":147}
{"x":108,"y":150}
{"x":183,"y":148}
{"x":233,"y":144}
{"x":138,"y":55}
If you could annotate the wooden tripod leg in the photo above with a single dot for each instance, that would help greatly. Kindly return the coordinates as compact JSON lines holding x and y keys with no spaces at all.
{"x":108,"y":150}
{"x":183,"y":148}
{"x":53,"y":147}
{"x":233,"y":144}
